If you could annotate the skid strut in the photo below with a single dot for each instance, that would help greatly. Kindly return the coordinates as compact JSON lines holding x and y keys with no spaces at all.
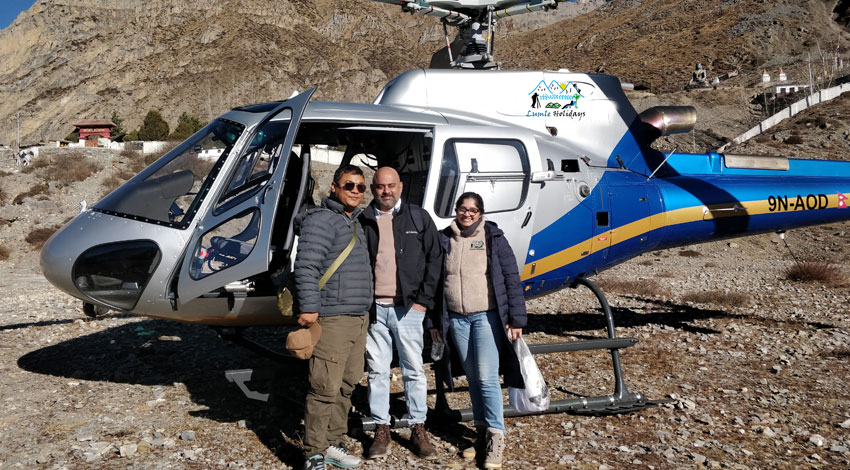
{"x":621,"y":401}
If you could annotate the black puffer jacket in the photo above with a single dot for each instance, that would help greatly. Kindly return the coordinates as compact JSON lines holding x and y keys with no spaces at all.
{"x":323,"y":233}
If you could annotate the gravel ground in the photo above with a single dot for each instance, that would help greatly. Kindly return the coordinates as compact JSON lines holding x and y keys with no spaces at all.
{"x":756,"y":385}
{"x":754,"y":366}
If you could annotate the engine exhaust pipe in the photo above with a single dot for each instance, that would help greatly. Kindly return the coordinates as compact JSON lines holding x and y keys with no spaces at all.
{"x":666,"y":120}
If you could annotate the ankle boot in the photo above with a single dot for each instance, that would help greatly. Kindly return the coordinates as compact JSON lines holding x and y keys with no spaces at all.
{"x":495,"y":447}
{"x":381,"y":445}
{"x":421,"y":444}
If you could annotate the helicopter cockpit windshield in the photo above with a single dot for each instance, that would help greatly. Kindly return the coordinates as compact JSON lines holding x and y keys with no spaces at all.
{"x":170,"y":191}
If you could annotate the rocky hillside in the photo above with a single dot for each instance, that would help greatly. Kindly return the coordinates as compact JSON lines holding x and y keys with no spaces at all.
{"x":656,"y":43}
{"x":67,"y":60}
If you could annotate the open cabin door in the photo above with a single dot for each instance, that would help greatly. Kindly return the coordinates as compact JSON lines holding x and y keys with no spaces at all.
{"x":496,"y":166}
{"x":232,"y":242}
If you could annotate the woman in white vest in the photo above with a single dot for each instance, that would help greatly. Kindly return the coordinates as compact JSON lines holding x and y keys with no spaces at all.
{"x":484,"y":310}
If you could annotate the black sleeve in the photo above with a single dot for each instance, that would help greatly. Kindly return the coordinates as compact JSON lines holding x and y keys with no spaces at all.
{"x":433,"y":262}
{"x":517,"y":316}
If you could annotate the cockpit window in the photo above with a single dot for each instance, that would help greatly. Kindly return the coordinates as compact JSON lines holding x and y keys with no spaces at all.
{"x":170,"y":190}
{"x":257,"y":162}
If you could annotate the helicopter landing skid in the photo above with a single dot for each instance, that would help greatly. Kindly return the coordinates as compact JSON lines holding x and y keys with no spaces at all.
{"x":621,"y":401}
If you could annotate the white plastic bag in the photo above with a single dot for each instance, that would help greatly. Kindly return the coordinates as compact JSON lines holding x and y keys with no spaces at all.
{"x":534,"y":398}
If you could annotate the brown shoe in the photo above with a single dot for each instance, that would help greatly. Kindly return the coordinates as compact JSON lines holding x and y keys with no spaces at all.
{"x":381,"y":445}
{"x":421,"y":444}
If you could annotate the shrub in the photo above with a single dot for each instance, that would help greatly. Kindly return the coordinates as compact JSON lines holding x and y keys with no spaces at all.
{"x":186,"y":126}
{"x":690,"y":254}
{"x":37,"y":237}
{"x":644,"y":287}
{"x":816,"y":271}
{"x":4,"y":252}
{"x":36,"y":190}
{"x":39,"y":163}
{"x":717,"y":297}
{"x":2,"y":197}
{"x":114,"y":180}
{"x":142,"y":161}
{"x":840,"y":353}
{"x":153,"y":127}
{"x":71,"y":167}
{"x":794,"y":140}
{"x":128,"y":153}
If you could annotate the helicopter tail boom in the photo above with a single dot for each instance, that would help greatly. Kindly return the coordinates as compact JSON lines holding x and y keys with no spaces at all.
{"x":705,"y":197}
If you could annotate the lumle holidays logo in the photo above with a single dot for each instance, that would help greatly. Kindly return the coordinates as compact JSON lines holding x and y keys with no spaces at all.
{"x":555,"y":100}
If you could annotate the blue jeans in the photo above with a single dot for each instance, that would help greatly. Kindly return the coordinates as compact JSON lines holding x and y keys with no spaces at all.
{"x":405,"y":328}
{"x":476,"y":337}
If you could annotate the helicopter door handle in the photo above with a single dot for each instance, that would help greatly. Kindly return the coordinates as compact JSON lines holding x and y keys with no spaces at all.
{"x":527,"y":218}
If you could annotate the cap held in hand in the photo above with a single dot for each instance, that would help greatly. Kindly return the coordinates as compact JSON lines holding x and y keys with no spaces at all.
{"x":302,"y":341}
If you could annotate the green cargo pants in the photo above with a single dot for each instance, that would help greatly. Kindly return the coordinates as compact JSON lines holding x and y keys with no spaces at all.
{"x":335,"y":369}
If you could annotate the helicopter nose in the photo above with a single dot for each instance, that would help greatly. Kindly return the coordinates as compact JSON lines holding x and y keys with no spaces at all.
{"x":113,"y":273}
{"x":57,"y":261}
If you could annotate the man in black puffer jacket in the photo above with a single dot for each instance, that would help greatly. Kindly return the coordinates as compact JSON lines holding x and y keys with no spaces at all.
{"x":340,"y":308}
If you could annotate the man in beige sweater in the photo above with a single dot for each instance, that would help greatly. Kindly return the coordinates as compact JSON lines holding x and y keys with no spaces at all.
{"x":406,"y":254}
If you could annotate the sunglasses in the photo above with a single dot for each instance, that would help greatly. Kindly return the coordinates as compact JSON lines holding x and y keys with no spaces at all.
{"x":464,"y":210}
{"x":350,"y":185}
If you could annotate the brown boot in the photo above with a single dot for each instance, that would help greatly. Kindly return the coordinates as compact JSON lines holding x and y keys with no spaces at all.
{"x":381,"y":445}
{"x":421,"y":444}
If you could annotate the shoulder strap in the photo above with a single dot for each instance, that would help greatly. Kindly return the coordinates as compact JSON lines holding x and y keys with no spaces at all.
{"x":416,"y":217}
{"x":339,"y":259}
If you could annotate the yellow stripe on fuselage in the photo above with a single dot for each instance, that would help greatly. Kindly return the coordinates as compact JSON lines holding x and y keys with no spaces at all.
{"x":647,"y":224}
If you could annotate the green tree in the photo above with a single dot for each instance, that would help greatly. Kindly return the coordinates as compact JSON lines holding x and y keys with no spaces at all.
{"x":73,"y":136}
{"x":118,"y":132}
{"x":153,"y":127}
{"x":186,"y":126}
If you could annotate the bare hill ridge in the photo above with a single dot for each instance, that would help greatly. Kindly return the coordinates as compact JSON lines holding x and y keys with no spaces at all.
{"x":656,"y":43}
{"x":67,"y":60}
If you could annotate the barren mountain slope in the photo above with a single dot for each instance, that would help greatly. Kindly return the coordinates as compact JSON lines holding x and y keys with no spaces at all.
{"x":64,"y":61}
{"x":69,"y":60}
{"x":656,"y":43}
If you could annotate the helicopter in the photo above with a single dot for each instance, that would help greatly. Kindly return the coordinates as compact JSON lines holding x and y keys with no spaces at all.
{"x":563,"y":161}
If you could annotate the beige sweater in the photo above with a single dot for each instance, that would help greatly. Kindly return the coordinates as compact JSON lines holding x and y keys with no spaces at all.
{"x":467,"y":285}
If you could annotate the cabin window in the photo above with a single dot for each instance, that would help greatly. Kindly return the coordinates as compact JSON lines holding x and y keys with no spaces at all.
{"x":257,"y":162}
{"x":498,"y":170}
{"x":226,"y":245}
{"x":116,"y":273}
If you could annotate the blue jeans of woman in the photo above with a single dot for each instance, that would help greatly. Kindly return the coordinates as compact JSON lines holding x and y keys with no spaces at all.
{"x":477,"y":339}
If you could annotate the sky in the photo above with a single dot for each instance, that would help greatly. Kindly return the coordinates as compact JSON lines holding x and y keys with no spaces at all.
{"x":9,"y":10}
